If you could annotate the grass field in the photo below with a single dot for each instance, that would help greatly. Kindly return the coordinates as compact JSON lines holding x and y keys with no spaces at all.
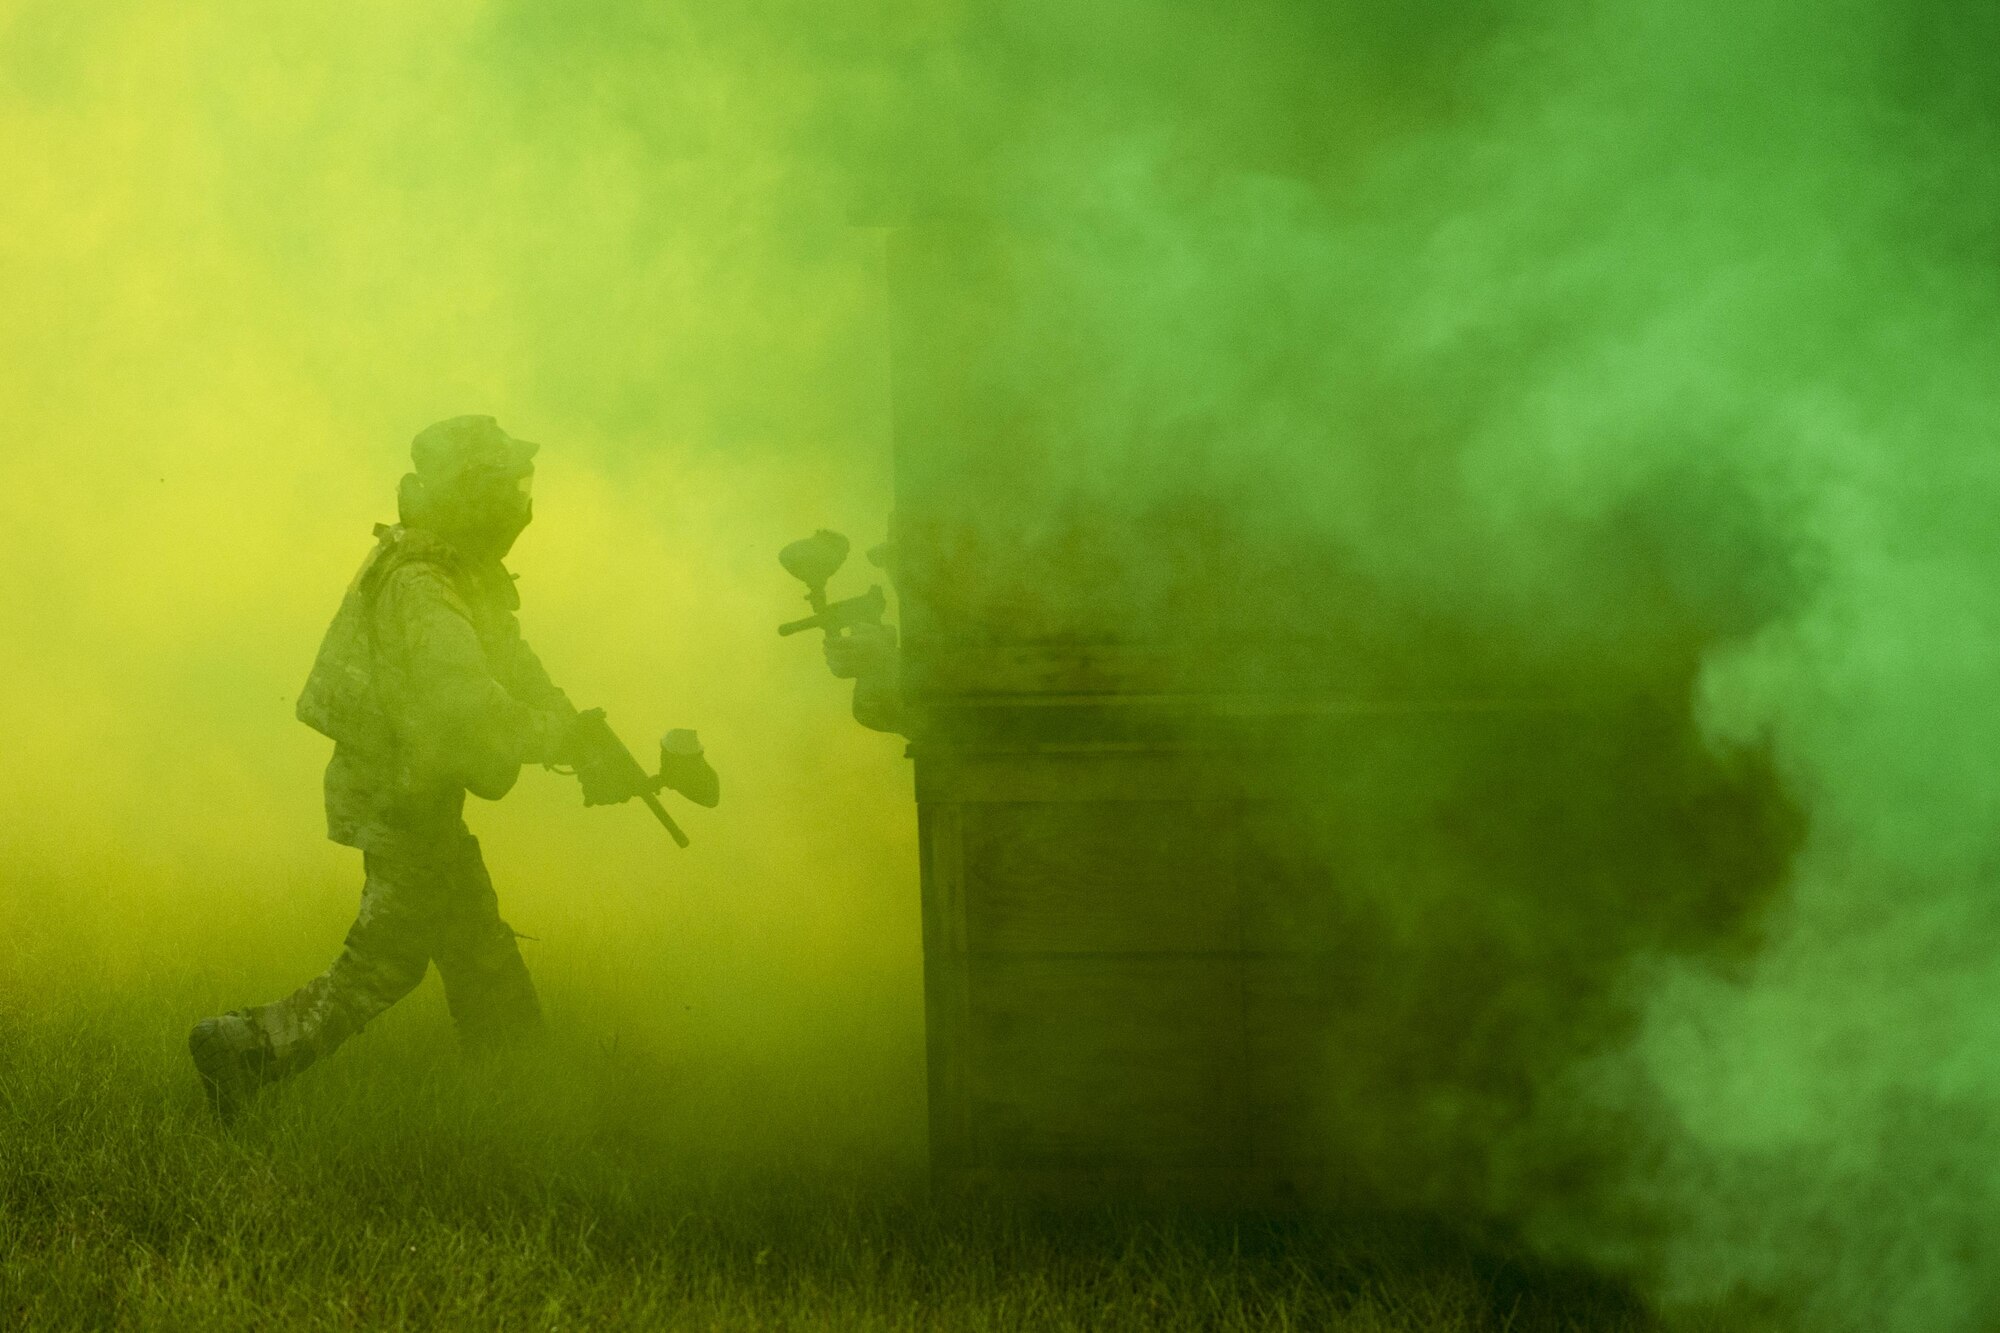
{"x":580,"y":1187}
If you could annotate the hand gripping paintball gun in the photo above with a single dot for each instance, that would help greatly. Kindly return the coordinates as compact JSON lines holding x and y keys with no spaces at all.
{"x":611,"y":776}
{"x":812,"y":561}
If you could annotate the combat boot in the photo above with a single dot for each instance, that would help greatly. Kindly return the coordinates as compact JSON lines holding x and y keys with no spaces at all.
{"x":233,"y":1059}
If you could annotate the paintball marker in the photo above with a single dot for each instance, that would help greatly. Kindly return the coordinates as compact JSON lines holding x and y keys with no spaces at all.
{"x":610,"y":775}
{"x":812,"y":561}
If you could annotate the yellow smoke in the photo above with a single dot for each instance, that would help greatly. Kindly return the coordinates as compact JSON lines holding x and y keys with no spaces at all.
{"x":246,"y":252}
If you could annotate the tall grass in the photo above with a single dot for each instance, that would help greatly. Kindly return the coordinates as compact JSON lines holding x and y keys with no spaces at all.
{"x":575,"y":1186}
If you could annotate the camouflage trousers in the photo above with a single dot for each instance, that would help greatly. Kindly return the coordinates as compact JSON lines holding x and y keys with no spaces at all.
{"x":422,"y":904}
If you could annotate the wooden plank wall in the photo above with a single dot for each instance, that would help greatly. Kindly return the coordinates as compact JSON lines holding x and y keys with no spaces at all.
{"x":1113,"y":1006}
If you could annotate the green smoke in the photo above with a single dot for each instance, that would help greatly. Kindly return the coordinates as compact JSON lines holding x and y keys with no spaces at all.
{"x":1627,"y":332}
{"x":1605,"y":321}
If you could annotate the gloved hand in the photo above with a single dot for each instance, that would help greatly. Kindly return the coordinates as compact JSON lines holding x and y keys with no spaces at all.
{"x":608,"y":773}
{"x":865,"y":650}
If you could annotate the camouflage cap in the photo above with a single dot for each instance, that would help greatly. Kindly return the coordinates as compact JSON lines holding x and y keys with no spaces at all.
{"x":448,"y":450}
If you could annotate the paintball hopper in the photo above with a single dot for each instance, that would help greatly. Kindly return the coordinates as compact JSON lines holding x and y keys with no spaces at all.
{"x":815,"y":559}
{"x":685,"y":769}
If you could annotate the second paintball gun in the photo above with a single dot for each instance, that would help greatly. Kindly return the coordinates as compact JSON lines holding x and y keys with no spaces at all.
{"x":812,"y":561}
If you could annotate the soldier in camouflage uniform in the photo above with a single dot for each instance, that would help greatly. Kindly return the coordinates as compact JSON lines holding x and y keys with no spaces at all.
{"x":428,"y":691}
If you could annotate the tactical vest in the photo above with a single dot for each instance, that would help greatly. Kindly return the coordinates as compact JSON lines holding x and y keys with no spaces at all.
{"x":342,"y":699}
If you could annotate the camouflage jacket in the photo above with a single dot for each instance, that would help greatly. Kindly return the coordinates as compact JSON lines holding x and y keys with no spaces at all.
{"x":427,"y":690}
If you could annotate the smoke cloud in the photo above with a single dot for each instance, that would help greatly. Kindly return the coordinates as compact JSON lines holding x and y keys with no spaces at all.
{"x":1654,"y":342}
